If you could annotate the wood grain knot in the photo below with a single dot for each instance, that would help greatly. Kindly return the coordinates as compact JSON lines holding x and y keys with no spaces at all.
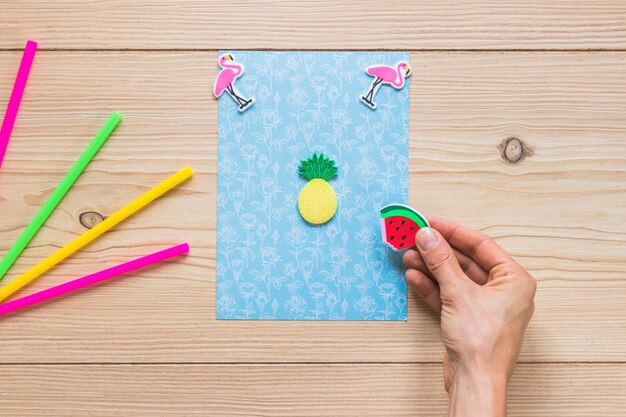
{"x":90,"y":218}
{"x":513,"y":150}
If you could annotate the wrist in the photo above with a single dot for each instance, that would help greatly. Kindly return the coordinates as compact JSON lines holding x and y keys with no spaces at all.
{"x":478,"y":393}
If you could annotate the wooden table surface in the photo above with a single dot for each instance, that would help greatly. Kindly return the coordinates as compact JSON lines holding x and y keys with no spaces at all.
{"x":550,"y":75}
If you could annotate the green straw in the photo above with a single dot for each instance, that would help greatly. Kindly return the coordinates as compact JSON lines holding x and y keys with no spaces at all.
{"x":58,"y":194}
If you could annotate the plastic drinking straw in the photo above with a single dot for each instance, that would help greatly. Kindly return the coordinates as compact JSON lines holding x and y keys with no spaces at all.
{"x":16,"y":97}
{"x":58,"y":194}
{"x":92,"y":234}
{"x":79,"y":283}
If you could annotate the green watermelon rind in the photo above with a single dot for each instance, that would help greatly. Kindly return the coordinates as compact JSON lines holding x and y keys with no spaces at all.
{"x":404,"y":211}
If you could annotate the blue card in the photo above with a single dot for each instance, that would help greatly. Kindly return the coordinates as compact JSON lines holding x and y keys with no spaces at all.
{"x":271,"y":264}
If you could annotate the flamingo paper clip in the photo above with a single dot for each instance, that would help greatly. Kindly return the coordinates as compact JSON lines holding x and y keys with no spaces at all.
{"x":226,"y":81}
{"x":383,"y":74}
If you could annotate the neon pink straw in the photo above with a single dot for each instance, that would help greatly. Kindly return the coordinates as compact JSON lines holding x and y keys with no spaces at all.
{"x":93,"y":279}
{"x":16,"y":97}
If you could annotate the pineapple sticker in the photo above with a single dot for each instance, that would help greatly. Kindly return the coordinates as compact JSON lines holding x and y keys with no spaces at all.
{"x":317,"y":201}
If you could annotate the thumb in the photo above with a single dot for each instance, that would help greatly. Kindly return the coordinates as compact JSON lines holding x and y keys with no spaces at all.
{"x":439,"y":258}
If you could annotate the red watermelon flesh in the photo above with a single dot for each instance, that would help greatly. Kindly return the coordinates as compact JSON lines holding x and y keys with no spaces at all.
{"x":399,"y":232}
{"x":399,"y":224}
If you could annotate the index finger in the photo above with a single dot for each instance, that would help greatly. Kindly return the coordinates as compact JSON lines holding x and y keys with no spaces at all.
{"x":477,"y":246}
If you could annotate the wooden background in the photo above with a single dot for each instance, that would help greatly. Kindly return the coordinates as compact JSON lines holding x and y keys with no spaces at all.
{"x":550,"y":74}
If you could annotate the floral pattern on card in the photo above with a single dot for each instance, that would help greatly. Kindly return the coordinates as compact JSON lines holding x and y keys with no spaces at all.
{"x":271,"y":264}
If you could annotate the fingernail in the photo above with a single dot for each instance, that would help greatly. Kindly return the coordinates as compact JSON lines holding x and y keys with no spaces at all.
{"x":426,"y":239}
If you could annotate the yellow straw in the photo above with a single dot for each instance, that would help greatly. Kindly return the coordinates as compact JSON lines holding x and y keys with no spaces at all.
{"x":92,"y":234}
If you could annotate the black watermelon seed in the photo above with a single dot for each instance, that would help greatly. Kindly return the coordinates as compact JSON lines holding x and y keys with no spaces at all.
{"x":412,"y":228}
{"x":397,"y":229}
{"x":402,"y":222}
{"x":391,"y":238}
{"x":390,"y":221}
{"x":400,"y":245}
{"x":403,"y":237}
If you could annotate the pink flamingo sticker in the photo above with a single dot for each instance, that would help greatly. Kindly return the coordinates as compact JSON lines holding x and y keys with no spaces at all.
{"x":383,"y":74}
{"x":226,"y":81}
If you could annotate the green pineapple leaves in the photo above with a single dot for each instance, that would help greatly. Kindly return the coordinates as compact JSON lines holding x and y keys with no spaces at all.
{"x":318,"y":167}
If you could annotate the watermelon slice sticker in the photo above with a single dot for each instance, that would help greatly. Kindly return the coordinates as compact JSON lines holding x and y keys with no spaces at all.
{"x":399,"y":224}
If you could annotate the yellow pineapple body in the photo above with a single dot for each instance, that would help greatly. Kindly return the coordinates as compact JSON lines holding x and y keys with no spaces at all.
{"x":317,"y":201}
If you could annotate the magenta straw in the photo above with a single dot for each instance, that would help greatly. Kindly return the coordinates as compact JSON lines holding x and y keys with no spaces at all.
{"x":16,"y":97}
{"x":79,"y":283}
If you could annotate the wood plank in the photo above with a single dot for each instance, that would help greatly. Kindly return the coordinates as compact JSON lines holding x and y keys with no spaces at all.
{"x":298,"y":390}
{"x":560,"y":211}
{"x":312,"y":24}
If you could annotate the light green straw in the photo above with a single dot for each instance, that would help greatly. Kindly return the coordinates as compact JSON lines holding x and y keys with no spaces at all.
{"x":58,"y":194}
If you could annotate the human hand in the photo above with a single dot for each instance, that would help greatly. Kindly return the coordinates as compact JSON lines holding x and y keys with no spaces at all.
{"x":485,"y":299}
